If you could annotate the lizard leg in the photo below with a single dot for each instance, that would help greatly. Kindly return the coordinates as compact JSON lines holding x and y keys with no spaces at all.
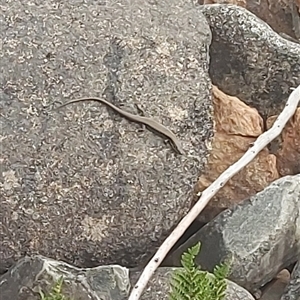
{"x":141,"y":112}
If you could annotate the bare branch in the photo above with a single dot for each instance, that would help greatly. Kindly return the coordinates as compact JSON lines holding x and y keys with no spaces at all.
{"x":262,"y":141}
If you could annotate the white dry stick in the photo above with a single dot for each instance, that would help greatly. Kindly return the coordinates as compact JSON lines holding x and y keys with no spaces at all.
{"x":262,"y":141}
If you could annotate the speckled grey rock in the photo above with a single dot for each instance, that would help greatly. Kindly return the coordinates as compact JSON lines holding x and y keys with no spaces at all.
{"x":29,"y":276}
{"x":249,"y":60}
{"x":260,"y":235}
{"x":292,"y":291}
{"x":82,"y":184}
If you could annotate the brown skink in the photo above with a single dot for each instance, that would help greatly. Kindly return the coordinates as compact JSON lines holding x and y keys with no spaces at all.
{"x":159,"y":128}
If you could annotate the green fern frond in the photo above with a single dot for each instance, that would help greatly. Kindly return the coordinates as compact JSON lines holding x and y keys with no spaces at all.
{"x":56,"y":292}
{"x":187,"y":259}
{"x":190,"y":282}
{"x":222,"y":271}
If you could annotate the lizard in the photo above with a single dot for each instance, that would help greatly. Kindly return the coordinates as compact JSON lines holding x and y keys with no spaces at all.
{"x":150,"y":123}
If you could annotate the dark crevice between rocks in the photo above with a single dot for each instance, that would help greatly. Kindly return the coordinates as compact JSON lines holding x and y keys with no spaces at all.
{"x":192,"y":229}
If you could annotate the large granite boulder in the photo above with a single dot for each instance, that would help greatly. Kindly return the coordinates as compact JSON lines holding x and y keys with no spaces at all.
{"x":82,"y":184}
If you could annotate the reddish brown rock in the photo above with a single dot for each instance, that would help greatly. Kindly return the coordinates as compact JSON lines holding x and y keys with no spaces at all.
{"x":237,"y":126}
{"x":287,"y":146}
{"x":274,"y":289}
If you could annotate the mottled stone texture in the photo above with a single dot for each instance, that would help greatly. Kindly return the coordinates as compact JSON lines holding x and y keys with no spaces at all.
{"x":159,"y":286}
{"x":249,"y":60}
{"x":292,"y":291}
{"x":82,"y":184}
{"x":260,"y":236}
{"x":31,"y":275}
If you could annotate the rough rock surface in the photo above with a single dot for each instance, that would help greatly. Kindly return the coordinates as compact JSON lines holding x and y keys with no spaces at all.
{"x":31,"y":275}
{"x":82,"y":184}
{"x":249,"y":60}
{"x":107,"y":282}
{"x":260,"y":235}
{"x":159,"y":287}
{"x":239,"y":67}
{"x":292,"y":291}
{"x":287,"y":146}
{"x":282,"y":15}
{"x":275,"y":288}
{"x":237,"y":127}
